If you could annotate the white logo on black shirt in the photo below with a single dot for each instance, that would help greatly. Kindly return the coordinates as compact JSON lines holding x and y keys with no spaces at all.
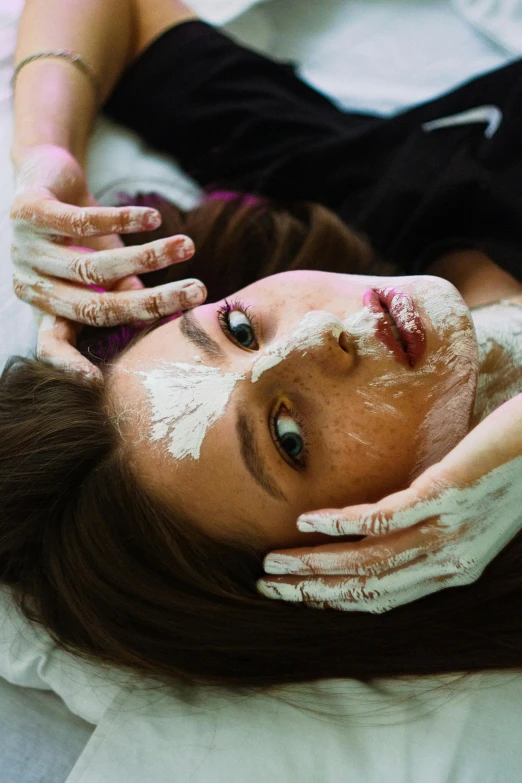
{"x":490,"y":114}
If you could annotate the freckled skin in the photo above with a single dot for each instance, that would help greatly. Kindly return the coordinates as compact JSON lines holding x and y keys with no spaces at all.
{"x":358,"y":452}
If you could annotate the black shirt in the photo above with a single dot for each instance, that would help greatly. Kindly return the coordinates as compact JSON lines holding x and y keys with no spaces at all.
{"x":235,"y":118}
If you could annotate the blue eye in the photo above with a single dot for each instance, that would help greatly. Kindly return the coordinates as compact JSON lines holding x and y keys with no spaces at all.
{"x":241,"y":328}
{"x":289,"y":436}
{"x":236,"y":323}
{"x":290,"y":440}
{"x":287,"y":429}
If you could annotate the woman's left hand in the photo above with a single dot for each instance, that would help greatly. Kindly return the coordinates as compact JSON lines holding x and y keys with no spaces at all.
{"x":440,"y":532}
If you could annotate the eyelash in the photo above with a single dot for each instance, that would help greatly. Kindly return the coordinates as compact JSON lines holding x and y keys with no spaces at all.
{"x":302,"y":461}
{"x":223,"y":314}
{"x":229,"y":307}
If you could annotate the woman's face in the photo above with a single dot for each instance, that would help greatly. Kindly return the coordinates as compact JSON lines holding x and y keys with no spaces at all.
{"x":247,"y":415}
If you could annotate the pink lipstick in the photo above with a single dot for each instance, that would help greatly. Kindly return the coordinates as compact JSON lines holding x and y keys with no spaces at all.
{"x":399,"y":308}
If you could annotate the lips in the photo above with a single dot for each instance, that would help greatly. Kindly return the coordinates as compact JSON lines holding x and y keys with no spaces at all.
{"x":407,"y":320}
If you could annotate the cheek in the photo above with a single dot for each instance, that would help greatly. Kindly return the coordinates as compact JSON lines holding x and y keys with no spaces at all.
{"x":364,"y":460}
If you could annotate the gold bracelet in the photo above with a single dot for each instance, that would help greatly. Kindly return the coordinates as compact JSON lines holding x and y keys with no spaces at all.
{"x":68,"y":55}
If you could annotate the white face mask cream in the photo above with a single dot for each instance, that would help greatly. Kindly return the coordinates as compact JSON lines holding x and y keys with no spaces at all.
{"x":499,"y":335}
{"x":309,"y":331}
{"x":450,"y":371}
{"x":186,"y":400}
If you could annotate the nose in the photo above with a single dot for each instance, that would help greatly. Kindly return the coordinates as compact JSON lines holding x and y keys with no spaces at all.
{"x":318,"y":334}
{"x":345,"y":342}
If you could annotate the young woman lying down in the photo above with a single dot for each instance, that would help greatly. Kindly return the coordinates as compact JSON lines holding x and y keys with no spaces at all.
{"x":360,"y":340}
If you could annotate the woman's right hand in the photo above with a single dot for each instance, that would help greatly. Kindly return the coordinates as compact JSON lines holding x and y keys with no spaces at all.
{"x":66,"y":248}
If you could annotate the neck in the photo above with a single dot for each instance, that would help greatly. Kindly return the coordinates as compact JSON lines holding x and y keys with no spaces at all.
{"x":481,"y":282}
{"x":476,"y":277}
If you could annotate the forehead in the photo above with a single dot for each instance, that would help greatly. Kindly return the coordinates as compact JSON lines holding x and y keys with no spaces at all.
{"x":164,"y":343}
{"x":185,"y":401}
{"x":177,"y":422}
{"x":164,"y":390}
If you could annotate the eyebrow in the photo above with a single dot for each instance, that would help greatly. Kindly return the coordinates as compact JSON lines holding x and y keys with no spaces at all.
{"x":199,"y":337}
{"x":250,"y":451}
{"x":253,"y":457}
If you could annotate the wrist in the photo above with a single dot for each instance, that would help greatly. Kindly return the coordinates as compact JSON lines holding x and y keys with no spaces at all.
{"x":54,"y":105}
{"x":20,"y":155}
{"x":49,"y":170}
{"x":54,"y":102}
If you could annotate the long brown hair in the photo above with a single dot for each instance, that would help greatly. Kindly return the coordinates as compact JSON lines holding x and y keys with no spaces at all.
{"x":116,"y":577}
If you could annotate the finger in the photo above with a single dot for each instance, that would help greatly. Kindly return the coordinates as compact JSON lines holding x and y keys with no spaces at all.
{"x":360,"y":558}
{"x":108,"y":241}
{"x":46,"y":214}
{"x":383,"y":603}
{"x":56,"y":345}
{"x":395,"y":512}
{"x":83,"y":306}
{"x":129,"y":283}
{"x":379,"y":605}
{"x":106,"y":266}
{"x":377,"y":594}
{"x":318,"y":605}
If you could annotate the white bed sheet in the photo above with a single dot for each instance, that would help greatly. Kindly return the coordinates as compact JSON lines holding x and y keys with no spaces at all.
{"x":370,"y":55}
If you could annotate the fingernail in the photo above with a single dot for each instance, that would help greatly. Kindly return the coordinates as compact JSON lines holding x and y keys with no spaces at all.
{"x":281,"y":564}
{"x":266,"y":589}
{"x":152,"y":220}
{"x":308,"y":524}
{"x":195,"y":293}
{"x":185,"y":248}
{"x":280,"y":591}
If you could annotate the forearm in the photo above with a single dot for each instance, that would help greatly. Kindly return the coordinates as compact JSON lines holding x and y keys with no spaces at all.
{"x":54,"y":102}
